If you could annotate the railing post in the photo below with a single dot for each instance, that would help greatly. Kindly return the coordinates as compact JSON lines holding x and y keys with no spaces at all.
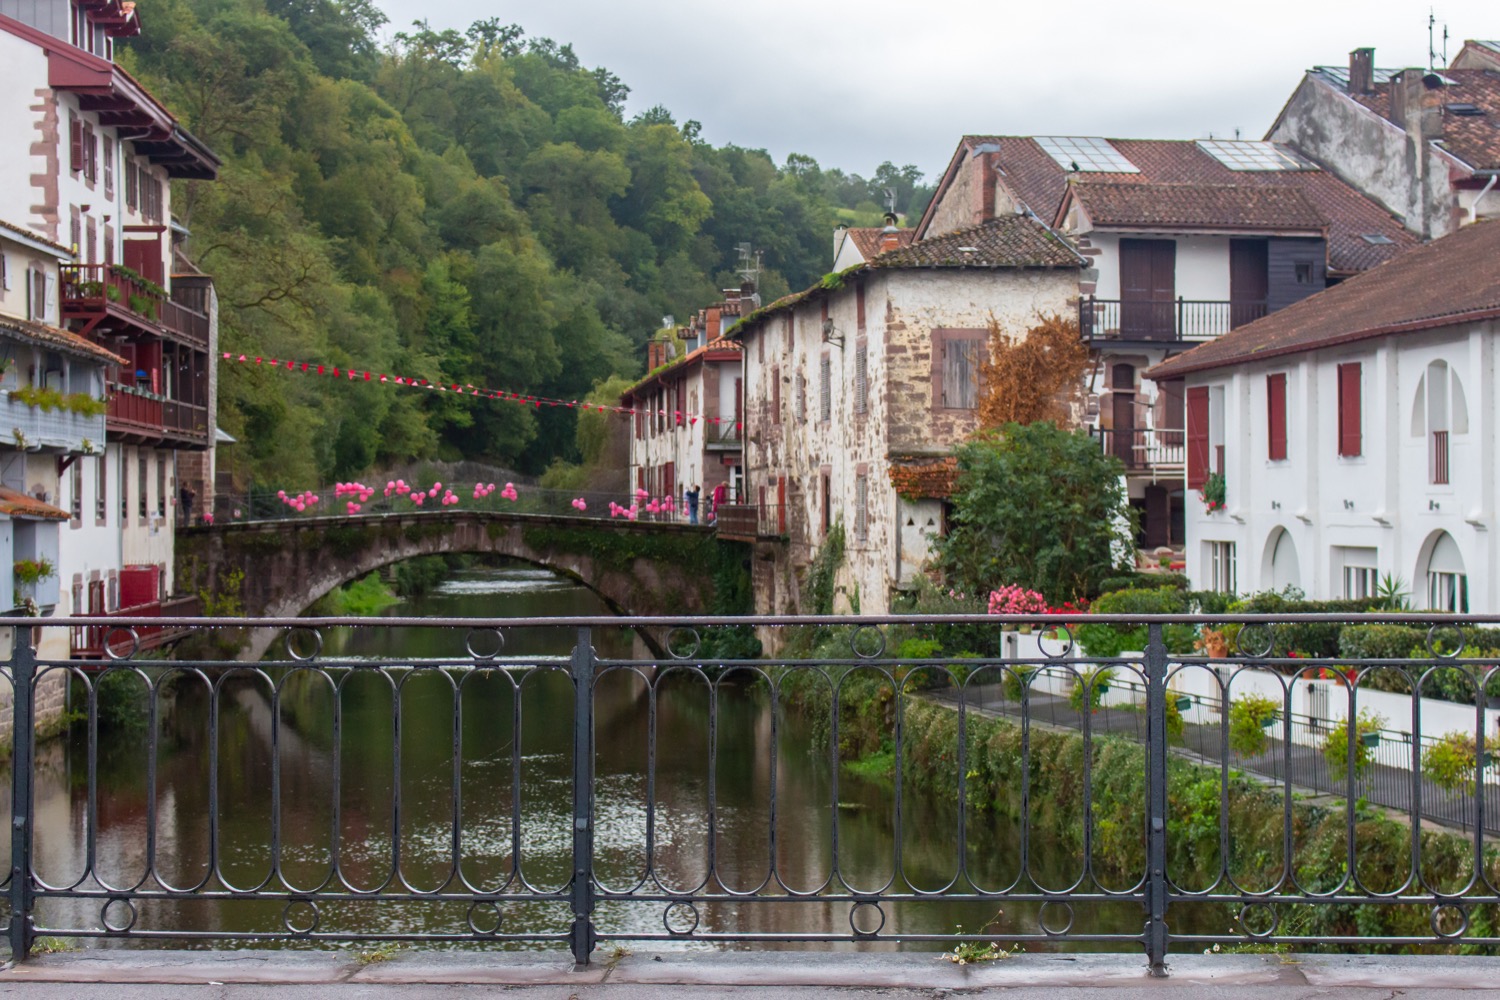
{"x":582,"y":932}
{"x":23,"y":737}
{"x":1156,"y":802}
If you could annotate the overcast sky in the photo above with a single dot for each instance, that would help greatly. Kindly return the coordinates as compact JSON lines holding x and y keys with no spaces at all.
{"x":853,"y":84}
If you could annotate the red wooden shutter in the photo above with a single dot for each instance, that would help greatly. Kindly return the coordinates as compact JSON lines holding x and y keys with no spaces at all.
{"x":1276,"y":416}
{"x":75,"y":146}
{"x":1197,"y":436}
{"x":1350,"y":443}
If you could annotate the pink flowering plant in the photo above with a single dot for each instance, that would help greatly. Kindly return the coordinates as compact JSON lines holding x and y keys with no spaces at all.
{"x":1013,"y":599}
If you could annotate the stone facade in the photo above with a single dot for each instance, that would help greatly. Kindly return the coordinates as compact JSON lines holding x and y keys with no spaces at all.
{"x":848,"y":381}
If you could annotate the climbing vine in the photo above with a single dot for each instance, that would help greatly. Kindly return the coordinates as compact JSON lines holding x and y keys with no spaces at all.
{"x":1036,"y":376}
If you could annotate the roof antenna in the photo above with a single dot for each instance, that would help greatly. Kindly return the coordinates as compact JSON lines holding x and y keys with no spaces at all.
{"x":1236,"y":133}
{"x":890,"y":200}
{"x":1432,"y":53}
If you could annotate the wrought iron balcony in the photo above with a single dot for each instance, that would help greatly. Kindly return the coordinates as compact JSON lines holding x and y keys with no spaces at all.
{"x":1182,"y":322}
{"x":1144,"y":449}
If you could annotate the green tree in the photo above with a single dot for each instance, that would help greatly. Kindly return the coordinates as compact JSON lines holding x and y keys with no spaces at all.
{"x":1036,"y":506}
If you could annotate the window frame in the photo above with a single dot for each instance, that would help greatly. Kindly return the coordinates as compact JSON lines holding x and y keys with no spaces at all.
{"x":942,"y":339}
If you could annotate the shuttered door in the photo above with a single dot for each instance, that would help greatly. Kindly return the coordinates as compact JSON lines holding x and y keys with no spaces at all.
{"x":1197,"y":436}
{"x":1276,"y":416}
{"x":1351,"y":443}
{"x":960,"y":374}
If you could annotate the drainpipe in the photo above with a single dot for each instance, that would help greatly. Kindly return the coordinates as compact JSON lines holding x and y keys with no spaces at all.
{"x":1474,"y":208}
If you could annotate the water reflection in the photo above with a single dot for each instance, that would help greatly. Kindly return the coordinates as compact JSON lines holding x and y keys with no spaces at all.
{"x":419,"y":781}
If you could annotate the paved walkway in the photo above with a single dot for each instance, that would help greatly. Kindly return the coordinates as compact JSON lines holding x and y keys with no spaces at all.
{"x":272,"y":975}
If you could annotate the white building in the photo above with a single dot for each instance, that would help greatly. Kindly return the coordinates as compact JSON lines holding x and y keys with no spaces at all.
{"x":89,"y":168}
{"x":1356,"y":435}
{"x":1424,"y":144}
{"x":867,"y":381}
{"x":1185,"y":240}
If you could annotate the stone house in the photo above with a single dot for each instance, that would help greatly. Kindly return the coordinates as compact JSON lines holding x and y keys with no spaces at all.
{"x":90,"y":169}
{"x":1355,"y":435}
{"x":1426,"y":145}
{"x":1185,"y":240}
{"x":868,"y":380}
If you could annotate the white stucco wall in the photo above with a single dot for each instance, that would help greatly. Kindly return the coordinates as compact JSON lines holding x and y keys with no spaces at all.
{"x":23,"y":71}
{"x":87,"y":546}
{"x":1382,"y":499}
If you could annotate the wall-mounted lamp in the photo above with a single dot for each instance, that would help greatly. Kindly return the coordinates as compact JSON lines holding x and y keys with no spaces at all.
{"x":1348,"y":504}
{"x":831,"y":334}
{"x":1434,"y":505}
{"x":1275,"y":504}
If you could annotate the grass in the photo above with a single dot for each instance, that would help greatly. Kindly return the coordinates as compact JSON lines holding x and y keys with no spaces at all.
{"x":364,"y":597}
{"x":877,"y":766}
{"x":383,"y":952}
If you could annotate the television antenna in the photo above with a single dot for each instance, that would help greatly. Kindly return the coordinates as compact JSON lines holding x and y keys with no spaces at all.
{"x":749,"y":264}
{"x":890,"y":200}
{"x":1432,"y":53}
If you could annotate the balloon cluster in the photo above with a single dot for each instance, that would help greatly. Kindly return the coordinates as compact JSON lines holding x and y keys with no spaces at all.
{"x":359,"y":491}
{"x":630,"y":513}
{"x":482,"y":490}
{"x":579,"y":504}
{"x":300,"y":502}
{"x":509,"y":492}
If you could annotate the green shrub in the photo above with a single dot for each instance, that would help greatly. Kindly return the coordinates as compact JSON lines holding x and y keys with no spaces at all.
{"x":1143,"y":581}
{"x":1108,"y":641}
{"x":1449,"y":763}
{"x":1379,"y":642}
{"x":1249,"y":718}
{"x":1313,"y":638}
{"x":1016,"y":678}
{"x":1336,"y":746}
{"x":1092,"y":684}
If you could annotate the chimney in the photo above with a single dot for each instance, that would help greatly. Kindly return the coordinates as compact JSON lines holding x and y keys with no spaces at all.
{"x":1416,"y":103}
{"x":1362,"y":71}
{"x":890,"y":236}
{"x":839,"y":232}
{"x":711,"y":327}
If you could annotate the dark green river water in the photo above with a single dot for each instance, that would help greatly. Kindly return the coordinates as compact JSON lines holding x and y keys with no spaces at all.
{"x":336,"y":796}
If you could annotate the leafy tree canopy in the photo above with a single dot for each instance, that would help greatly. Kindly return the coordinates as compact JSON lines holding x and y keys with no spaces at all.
{"x":1039,"y":507}
{"x":466,"y":206}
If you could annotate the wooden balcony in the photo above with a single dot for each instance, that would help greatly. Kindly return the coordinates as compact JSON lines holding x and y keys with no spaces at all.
{"x":88,"y":642}
{"x":1145,"y":450}
{"x":111,"y":299}
{"x":143,"y":417}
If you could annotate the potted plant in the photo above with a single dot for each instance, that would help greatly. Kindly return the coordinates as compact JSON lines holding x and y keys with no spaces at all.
{"x":1450,"y":763}
{"x":1366,"y":738}
{"x":1213,"y":492}
{"x":1250,"y":718}
{"x":29,"y":573}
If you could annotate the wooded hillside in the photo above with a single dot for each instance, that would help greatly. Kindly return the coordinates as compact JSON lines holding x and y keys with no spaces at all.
{"x":462,"y":207}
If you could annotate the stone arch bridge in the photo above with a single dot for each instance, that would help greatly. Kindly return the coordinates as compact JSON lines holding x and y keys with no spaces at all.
{"x":640,"y":568}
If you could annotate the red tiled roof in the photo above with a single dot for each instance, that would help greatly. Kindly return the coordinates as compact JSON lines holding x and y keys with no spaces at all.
{"x":1197,"y":206}
{"x":1451,"y":280}
{"x":1005,"y":241}
{"x":63,"y":340}
{"x":14,"y":503}
{"x":693,"y":357}
{"x":1040,"y":183}
{"x":924,"y":477}
{"x":1474,"y":139}
{"x":62,"y":251}
{"x":866,"y":239}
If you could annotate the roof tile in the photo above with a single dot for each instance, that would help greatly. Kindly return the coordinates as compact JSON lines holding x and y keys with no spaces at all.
{"x":1199,"y":206}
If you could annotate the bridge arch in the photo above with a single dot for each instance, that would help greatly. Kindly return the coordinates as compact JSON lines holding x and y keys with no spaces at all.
{"x":636,"y":568}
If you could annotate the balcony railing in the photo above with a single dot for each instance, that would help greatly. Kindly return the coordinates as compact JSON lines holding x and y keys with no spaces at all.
{"x":746,"y":522}
{"x":32,"y":427}
{"x":128,"y":636}
{"x":1146,"y":449}
{"x":1171,"y":321}
{"x":145,"y":414}
{"x":95,"y":289}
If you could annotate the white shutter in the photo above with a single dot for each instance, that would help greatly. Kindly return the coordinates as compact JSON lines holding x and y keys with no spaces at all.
{"x":861,"y":378}
{"x":49,"y":302}
{"x":825,"y":389}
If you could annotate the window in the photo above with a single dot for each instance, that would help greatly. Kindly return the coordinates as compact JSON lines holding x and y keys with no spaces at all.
{"x":4,"y":272}
{"x":124,"y":495}
{"x":1303,"y":272}
{"x":956,"y":368}
{"x":109,"y":167}
{"x":132,"y":182}
{"x":1276,"y":417}
{"x":101,"y":485}
{"x":90,"y":154}
{"x":1351,"y":443}
{"x":825,"y":482}
{"x":861,"y":377}
{"x":862,"y":506}
{"x":776,"y":395}
{"x":825,"y":389}
{"x":143,"y":502}
{"x":1440,"y":411}
{"x":75,"y":488}
{"x":801,"y":386}
{"x":1219,"y":558}
{"x":75,"y":144}
{"x":38,"y":295}
{"x":1359,"y":571}
{"x":1448,"y":591}
{"x":161,"y":487}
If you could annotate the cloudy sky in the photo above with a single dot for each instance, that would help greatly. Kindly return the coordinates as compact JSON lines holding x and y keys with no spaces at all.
{"x":853,"y":84}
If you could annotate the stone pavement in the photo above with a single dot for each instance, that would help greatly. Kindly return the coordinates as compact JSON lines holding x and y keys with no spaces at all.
{"x":273,"y":975}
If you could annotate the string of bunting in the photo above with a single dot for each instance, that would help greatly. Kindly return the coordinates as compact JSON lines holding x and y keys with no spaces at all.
{"x":293,"y":366}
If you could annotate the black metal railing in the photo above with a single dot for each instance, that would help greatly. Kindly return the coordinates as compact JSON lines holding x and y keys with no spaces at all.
{"x":1168,"y":320}
{"x":1144,"y":448}
{"x":835,"y":792}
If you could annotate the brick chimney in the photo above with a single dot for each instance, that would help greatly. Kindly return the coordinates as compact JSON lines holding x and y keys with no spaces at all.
{"x":655,"y":354}
{"x":890,"y":236}
{"x":1362,"y":71}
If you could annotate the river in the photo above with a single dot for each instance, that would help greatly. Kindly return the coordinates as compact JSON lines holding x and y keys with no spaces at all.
{"x":351,"y":820}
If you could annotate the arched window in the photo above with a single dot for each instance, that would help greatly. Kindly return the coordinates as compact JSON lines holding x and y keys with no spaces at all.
{"x":1443,"y":572}
{"x":1280,"y":568}
{"x":1439,"y":409}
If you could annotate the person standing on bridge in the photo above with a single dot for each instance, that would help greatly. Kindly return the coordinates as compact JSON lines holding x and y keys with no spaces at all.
{"x":185,"y":498}
{"x":690,"y":498}
{"x":720,"y":491}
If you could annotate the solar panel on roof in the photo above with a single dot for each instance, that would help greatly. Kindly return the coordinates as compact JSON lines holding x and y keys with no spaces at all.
{"x":1253,"y":154}
{"x":1085,"y":153}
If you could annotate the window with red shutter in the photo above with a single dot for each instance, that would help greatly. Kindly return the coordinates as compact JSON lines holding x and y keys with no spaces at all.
{"x":1197,"y":436}
{"x":75,"y":147}
{"x":1276,"y":416}
{"x":1351,"y":444}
